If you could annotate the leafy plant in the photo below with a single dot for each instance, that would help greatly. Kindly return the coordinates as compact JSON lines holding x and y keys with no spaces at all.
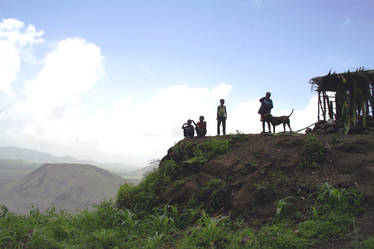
{"x":282,"y":208}
{"x":313,"y":149}
{"x":366,"y":244}
{"x":161,"y":223}
{"x":338,"y":199}
{"x":3,"y":210}
{"x":207,"y":233}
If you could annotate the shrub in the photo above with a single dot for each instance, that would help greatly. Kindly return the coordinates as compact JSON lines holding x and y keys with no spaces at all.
{"x":207,"y":234}
{"x":328,"y":228}
{"x":279,"y":236}
{"x":214,"y":194}
{"x":212,"y":148}
{"x":338,"y":199}
{"x":366,"y":244}
{"x":282,"y":208}
{"x":3,"y":210}
{"x":313,"y":150}
{"x":238,"y":137}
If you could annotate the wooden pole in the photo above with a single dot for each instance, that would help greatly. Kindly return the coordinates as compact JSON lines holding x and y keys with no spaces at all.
{"x":324,"y":105}
{"x":319,"y":102}
{"x":367,"y":108}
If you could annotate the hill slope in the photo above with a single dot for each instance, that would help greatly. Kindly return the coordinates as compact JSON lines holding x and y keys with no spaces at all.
{"x":65,"y":186}
{"x":262,"y":169}
{"x":249,"y":175}
{"x":12,"y":169}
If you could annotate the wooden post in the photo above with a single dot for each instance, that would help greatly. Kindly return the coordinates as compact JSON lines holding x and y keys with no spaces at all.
{"x":367,"y":109}
{"x":319,"y":102}
{"x":324,"y":105}
{"x":338,"y":110}
{"x":372,"y":96}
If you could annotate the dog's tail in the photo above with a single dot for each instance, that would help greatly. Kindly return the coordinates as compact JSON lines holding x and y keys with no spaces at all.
{"x":290,"y":113}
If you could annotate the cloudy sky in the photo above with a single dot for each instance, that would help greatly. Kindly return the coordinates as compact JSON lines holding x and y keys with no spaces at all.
{"x":115,"y":80}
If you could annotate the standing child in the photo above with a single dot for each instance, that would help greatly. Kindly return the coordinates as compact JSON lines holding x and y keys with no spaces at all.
{"x":201,"y":127}
{"x":265,"y":109}
{"x":221,"y":117}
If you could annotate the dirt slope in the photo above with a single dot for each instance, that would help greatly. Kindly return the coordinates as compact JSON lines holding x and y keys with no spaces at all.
{"x":65,"y":186}
{"x":256,"y":173}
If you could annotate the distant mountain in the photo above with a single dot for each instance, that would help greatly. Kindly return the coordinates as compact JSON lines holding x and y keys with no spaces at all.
{"x":70,"y":187}
{"x":34,"y":156}
{"x":12,"y":169}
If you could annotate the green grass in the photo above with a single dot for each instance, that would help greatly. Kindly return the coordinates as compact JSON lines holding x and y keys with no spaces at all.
{"x":184,"y":158}
{"x":107,"y":226}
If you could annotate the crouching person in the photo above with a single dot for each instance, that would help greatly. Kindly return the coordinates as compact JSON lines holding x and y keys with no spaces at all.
{"x":188,"y":129}
{"x":201,"y":127}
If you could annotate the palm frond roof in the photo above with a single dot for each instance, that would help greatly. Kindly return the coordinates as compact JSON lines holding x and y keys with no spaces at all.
{"x":333,"y":81}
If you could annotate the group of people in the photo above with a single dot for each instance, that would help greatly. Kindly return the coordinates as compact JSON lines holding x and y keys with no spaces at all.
{"x":200,"y":127}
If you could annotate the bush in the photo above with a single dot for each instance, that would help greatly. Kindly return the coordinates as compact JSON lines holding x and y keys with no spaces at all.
{"x":208,"y":233}
{"x":279,"y":236}
{"x":214,"y":195}
{"x":330,"y":228}
{"x":338,"y":199}
{"x":366,"y":244}
{"x":313,"y":150}
{"x":183,"y":159}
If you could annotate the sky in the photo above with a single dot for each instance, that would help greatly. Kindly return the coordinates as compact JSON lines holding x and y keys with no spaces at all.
{"x":113,"y":81}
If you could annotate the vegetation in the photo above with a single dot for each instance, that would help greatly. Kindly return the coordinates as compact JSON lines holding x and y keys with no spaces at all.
{"x":314,"y":153}
{"x":141,"y":218}
{"x":186,"y":157}
{"x":107,"y":226}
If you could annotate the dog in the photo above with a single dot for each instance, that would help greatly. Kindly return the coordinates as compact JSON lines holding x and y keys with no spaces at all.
{"x":274,"y":121}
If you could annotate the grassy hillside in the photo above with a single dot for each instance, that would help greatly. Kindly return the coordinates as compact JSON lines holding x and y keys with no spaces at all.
{"x":238,"y":191}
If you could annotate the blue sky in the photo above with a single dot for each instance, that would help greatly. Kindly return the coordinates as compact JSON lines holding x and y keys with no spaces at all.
{"x":147,"y":48}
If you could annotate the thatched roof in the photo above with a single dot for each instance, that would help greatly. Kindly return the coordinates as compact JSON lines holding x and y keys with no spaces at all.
{"x":333,"y":81}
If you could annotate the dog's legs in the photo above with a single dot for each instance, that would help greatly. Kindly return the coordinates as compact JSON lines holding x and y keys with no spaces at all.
{"x":284,"y":127}
{"x":269,"y":127}
{"x":289,"y":126}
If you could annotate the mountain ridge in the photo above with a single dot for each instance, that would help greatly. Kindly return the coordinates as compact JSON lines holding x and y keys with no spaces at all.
{"x":70,"y":187}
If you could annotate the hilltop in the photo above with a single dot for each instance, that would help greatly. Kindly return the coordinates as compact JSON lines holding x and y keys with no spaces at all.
{"x":248,"y":176}
{"x":16,"y":163}
{"x":70,"y":187}
{"x":259,"y":170}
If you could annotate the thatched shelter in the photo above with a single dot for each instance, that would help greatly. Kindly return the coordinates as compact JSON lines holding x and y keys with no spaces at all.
{"x":346,"y":96}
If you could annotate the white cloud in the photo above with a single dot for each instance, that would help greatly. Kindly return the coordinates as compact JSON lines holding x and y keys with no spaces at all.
{"x":9,"y":64}
{"x":153,"y":126}
{"x":72,"y":69}
{"x":48,"y":113}
{"x":15,"y":45}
